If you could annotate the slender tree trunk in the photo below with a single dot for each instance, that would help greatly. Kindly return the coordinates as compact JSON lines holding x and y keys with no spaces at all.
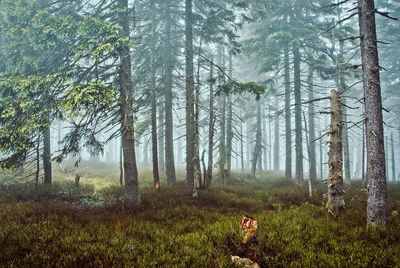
{"x":241,"y":145}
{"x":276,"y":142}
{"x":248,"y":139}
{"x":393,"y":159}
{"x":265,"y":143}
{"x":210,"y":129}
{"x":288,"y":124}
{"x":47,"y":157}
{"x":386,"y":146}
{"x":311,"y":121}
{"x":222,"y":105}
{"x":309,"y":157}
{"x":321,"y":158}
{"x":121,"y":167}
{"x":335,"y":162}
{"x":37,"y":163}
{"x":346,"y":150}
{"x":269,"y":139}
{"x":161,"y":144}
{"x":131,"y":194}
{"x":363,"y":177}
{"x":376,"y":169}
{"x":169,"y":133}
{"x":258,"y":145}
{"x":229,"y":131}
{"x":297,"y":117}
{"x":156,"y":176}
{"x":190,"y":132}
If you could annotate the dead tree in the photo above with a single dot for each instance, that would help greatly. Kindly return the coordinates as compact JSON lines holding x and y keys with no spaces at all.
{"x":335,"y":158}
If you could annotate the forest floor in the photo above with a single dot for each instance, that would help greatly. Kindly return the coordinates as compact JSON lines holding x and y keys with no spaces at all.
{"x":66,"y":226}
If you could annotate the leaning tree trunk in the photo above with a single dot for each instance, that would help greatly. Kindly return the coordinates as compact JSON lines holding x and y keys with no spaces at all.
{"x":47,"y":157}
{"x":288,"y":124}
{"x":297,"y":116}
{"x":156,"y":177}
{"x":131,"y":194}
{"x":210,"y":129}
{"x":190,"y":131}
{"x":335,"y":158}
{"x":169,"y":134}
{"x":258,"y":145}
{"x":376,"y":169}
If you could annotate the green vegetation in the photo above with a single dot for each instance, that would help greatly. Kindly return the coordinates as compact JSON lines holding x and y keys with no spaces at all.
{"x":85,"y":226}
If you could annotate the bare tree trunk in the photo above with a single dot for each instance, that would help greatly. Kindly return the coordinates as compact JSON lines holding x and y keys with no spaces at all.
{"x":288,"y":124}
{"x":376,"y":169}
{"x":37,"y":163}
{"x":241,"y":145}
{"x":248,"y":139}
{"x":309,"y":158}
{"x":222,"y":105}
{"x":297,"y":117}
{"x":131,"y":194}
{"x":121,"y":167}
{"x":311,"y":131}
{"x":229,"y":131}
{"x":335,"y":162}
{"x":321,"y":157}
{"x":393,"y":159}
{"x":363,"y":177}
{"x":161,"y":144}
{"x":47,"y":157}
{"x":276,"y":142}
{"x":258,"y":145}
{"x":156,"y":176}
{"x":169,"y":134}
{"x":190,"y":132}
{"x":346,"y":151}
{"x":210,"y":129}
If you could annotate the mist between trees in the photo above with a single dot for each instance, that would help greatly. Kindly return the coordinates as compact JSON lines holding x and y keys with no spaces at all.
{"x":208,"y":87}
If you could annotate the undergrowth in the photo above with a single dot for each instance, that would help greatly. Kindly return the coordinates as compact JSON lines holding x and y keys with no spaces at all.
{"x":85,"y":226}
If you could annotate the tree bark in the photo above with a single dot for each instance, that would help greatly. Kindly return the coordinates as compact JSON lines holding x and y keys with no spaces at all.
{"x":169,"y":134}
{"x":222,"y":113}
{"x":288,"y":124}
{"x":156,"y":176}
{"x":131,"y":194}
{"x":393,"y":159}
{"x":210,"y":129}
{"x":297,"y":117}
{"x":161,"y":133}
{"x":335,"y":157}
{"x":258,"y":145}
{"x":376,"y":169}
{"x":229,"y":131}
{"x":190,"y":132}
{"x":47,"y":157}
{"x":311,"y":127}
{"x":276,"y":142}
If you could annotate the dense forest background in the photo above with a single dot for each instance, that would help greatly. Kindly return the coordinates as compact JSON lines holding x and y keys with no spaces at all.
{"x":123,"y":105}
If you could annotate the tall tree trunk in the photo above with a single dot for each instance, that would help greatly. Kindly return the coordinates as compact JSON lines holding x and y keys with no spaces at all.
{"x":37,"y":162}
{"x":393,"y":159}
{"x":265,"y":147}
{"x":241,"y":145}
{"x":311,"y":122}
{"x":229,"y":131}
{"x":161,"y":144}
{"x":321,"y":157}
{"x":258,"y":145}
{"x":197,"y":167}
{"x":169,"y":125}
{"x":276,"y":142}
{"x":288,"y":124}
{"x":121,"y":167}
{"x":222,"y":105}
{"x":131,"y":194}
{"x":297,"y":117}
{"x":248,"y":141}
{"x":363,"y":177}
{"x":210,"y":129}
{"x":156,"y":177}
{"x":335,"y":162}
{"x":47,"y":157}
{"x":346,"y":150}
{"x":376,"y":169}
{"x":190,"y":132}
{"x":269,"y":139}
